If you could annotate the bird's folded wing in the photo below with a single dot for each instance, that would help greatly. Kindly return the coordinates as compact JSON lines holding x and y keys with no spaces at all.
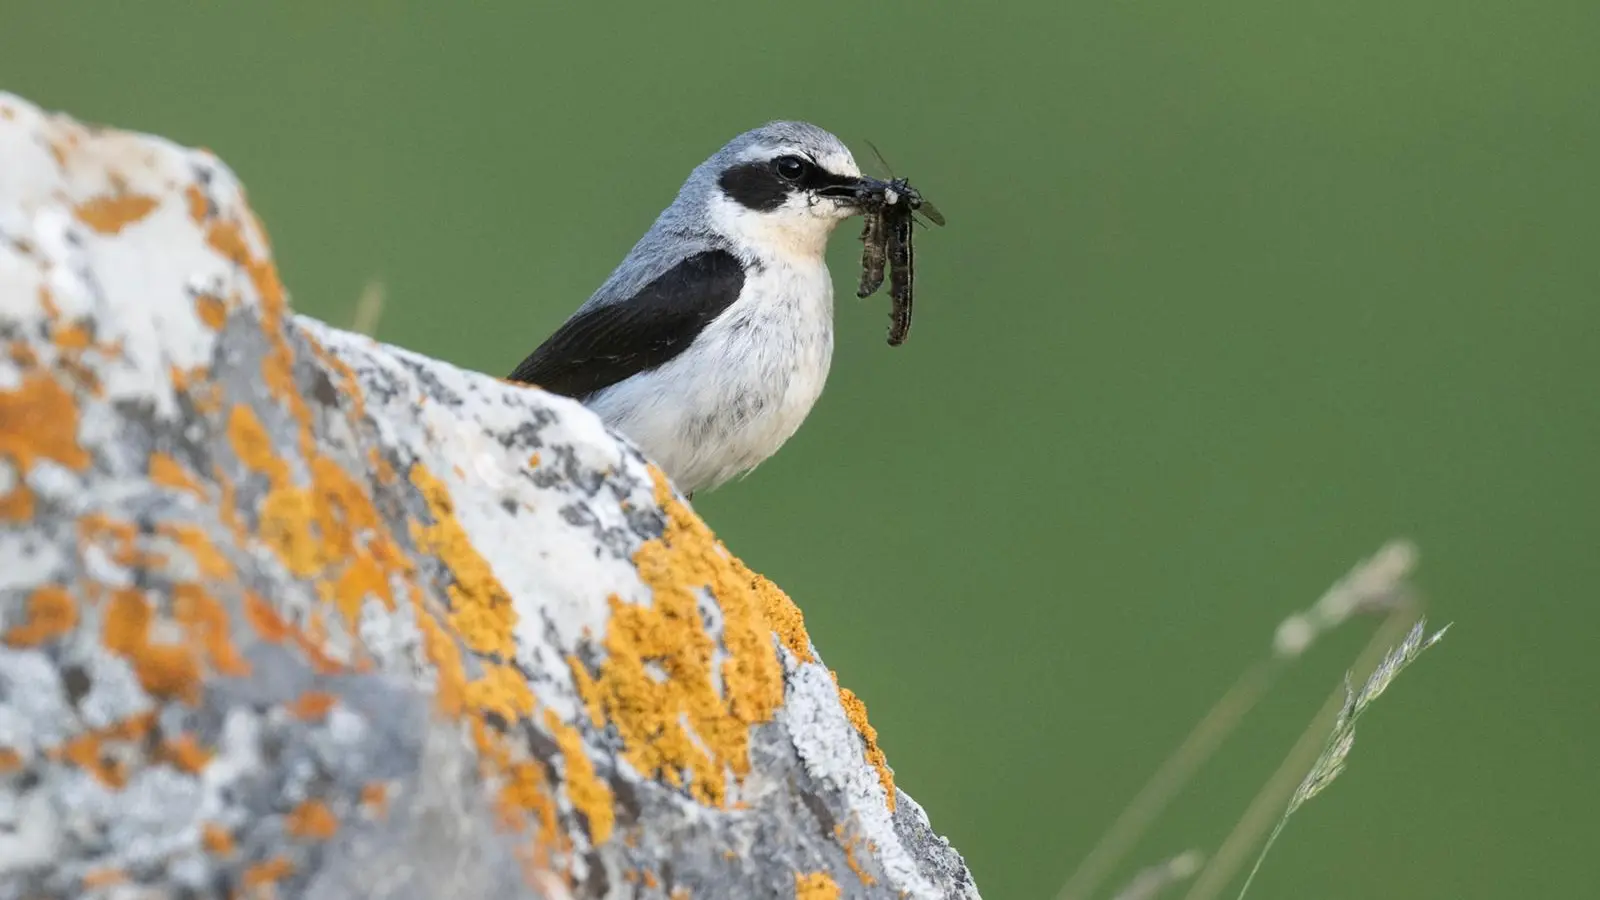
{"x":602,"y":345}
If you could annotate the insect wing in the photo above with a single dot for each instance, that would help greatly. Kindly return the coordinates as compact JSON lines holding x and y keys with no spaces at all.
{"x":884,"y":163}
{"x":931,"y":212}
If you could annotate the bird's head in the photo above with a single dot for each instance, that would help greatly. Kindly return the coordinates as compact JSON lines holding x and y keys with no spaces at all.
{"x":778,"y":190}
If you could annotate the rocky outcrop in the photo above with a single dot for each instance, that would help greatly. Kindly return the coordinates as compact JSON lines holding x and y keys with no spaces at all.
{"x":286,"y":612}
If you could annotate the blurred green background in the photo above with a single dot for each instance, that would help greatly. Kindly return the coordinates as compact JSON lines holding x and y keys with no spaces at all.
{"x":1231,"y":293}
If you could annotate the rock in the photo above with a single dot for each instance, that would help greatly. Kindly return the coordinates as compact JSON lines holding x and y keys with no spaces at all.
{"x":286,"y":612}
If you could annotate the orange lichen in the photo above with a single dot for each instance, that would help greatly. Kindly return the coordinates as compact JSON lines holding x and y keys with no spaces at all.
{"x":253,"y":445}
{"x":450,"y":678}
{"x":206,"y":625}
{"x":345,"y":508}
{"x":92,"y":750}
{"x":22,"y":354}
{"x":526,"y":789}
{"x":502,"y":691}
{"x":84,"y":752}
{"x":311,"y":644}
{"x":849,"y":842}
{"x":121,"y":538}
{"x":296,"y":403}
{"x":277,"y":373}
{"x":51,"y":614}
{"x":533,"y":461}
{"x":375,"y":798}
{"x":856,"y":712}
{"x":381,"y":470}
{"x":224,"y":237}
{"x":196,"y":201}
{"x":312,"y":820}
{"x":328,"y":530}
{"x":73,"y":337}
{"x":17,"y":506}
{"x":185,"y":754}
{"x":94,"y":879}
{"x":47,"y":303}
{"x":285,"y":527}
{"x":264,"y":619}
{"x":228,"y":505}
{"x":216,"y":839}
{"x":312,"y":706}
{"x":782,"y":614}
{"x":353,"y":535}
{"x":212,"y":310}
{"x":361,"y":577}
{"x":111,"y":214}
{"x":72,"y":340}
{"x":480,"y":609}
{"x":267,"y":872}
{"x":168,"y":472}
{"x":326,"y":524}
{"x":165,"y":670}
{"x":206,"y":554}
{"x":195,"y":383}
{"x":10,"y":760}
{"x":312,"y":639}
{"x":39,"y":420}
{"x":669,"y":636}
{"x":228,"y":239}
{"x":587,"y":691}
{"x":816,"y":886}
{"x":589,"y":795}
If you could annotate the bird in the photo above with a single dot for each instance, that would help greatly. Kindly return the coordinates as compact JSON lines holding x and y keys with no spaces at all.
{"x":710,"y":342}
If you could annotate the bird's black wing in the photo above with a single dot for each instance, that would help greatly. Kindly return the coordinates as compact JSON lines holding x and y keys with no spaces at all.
{"x":603,"y":345}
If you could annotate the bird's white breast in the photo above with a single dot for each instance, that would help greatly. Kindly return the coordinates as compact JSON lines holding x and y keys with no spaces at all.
{"x":743,"y":386}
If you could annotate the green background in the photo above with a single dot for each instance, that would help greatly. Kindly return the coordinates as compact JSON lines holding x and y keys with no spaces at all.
{"x":1231,"y":293}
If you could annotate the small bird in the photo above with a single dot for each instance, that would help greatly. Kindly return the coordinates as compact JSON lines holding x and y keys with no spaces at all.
{"x":711,"y":341}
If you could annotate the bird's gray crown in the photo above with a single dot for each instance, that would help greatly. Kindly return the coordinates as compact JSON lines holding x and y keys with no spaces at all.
{"x":779,"y":137}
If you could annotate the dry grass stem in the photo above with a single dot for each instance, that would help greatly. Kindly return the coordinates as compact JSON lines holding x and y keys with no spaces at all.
{"x":1152,"y":880}
{"x":1331,"y":761}
{"x":1174,"y":772}
{"x":1320,"y":753}
{"x":1375,"y":585}
{"x":1268,"y":802}
{"x":369,"y":308}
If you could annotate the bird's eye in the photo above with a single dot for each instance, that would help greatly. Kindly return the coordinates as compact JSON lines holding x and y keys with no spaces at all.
{"x":791,"y":168}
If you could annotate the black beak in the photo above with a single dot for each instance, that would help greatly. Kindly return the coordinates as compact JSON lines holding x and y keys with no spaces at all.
{"x":847,"y":188}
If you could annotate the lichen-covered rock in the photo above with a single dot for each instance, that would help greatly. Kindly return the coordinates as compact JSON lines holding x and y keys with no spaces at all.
{"x":284,"y":612}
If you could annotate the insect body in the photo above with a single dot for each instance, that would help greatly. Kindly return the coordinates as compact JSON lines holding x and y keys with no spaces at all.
{"x":890,"y":209}
{"x":873,"y":250}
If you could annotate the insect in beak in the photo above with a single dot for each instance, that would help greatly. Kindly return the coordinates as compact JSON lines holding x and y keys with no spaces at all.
{"x":890,"y":210}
